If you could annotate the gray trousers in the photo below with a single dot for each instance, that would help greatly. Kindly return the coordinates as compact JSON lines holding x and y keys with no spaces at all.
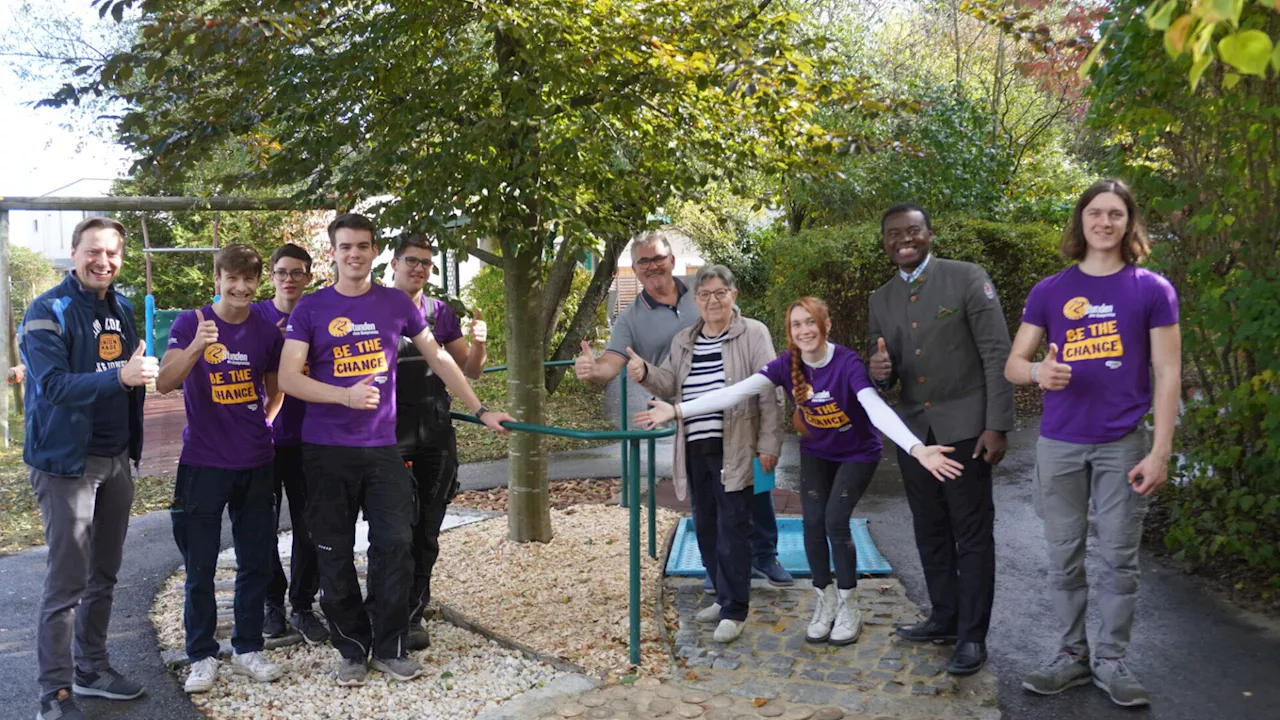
{"x":85,"y":521}
{"x":1069,"y":479}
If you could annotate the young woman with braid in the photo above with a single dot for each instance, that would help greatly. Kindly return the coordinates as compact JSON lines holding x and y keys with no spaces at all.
{"x":838,"y":412}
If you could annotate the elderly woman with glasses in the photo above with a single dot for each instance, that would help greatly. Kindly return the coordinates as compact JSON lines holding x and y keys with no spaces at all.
{"x":714,"y":453}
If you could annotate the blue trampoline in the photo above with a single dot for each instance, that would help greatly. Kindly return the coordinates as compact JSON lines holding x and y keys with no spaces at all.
{"x":685,"y":560}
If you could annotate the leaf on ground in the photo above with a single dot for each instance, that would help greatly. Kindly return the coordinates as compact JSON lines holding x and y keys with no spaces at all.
{"x":759,"y":702}
{"x":691,"y":675}
{"x":779,"y":627}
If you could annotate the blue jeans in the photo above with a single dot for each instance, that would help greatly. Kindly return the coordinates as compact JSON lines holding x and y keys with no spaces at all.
{"x":199,"y":495}
{"x":764,"y":527}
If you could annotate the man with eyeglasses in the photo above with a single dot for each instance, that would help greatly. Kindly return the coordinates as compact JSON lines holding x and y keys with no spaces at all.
{"x":664,"y":307}
{"x":290,"y":272}
{"x":938,"y":329}
{"x":424,"y":430}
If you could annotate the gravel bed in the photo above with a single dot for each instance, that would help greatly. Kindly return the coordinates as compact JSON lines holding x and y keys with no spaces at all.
{"x":567,"y":599}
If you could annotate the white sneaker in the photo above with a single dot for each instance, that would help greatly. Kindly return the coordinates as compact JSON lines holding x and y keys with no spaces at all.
{"x":203,"y":674}
{"x":824,"y":614}
{"x":848,"y":622}
{"x":257,"y":666}
{"x":710,"y":614}
{"x":728,"y":631}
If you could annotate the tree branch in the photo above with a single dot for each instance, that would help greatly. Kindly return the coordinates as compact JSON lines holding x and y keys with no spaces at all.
{"x":556,"y":290}
{"x":583,"y":319}
{"x":486,"y":256}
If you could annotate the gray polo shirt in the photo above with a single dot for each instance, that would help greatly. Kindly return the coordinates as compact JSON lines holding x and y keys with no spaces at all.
{"x":647,"y":326}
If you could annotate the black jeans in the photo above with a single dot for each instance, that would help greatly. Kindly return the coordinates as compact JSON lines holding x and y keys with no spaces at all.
{"x":435,"y":483}
{"x":954,"y":526}
{"x":303,"y":580}
{"x":199,"y":496}
{"x":723,"y":526}
{"x":829,"y":491}
{"x":342,"y":481}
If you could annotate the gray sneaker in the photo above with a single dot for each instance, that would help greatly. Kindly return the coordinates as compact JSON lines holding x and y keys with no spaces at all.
{"x":1113,"y":676}
{"x":106,"y":683}
{"x":401,"y":668}
{"x":1066,"y":670}
{"x":352,"y":672}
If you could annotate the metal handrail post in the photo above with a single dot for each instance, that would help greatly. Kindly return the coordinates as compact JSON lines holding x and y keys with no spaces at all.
{"x":634,"y":472}
{"x":653,"y":505}
{"x":624,"y":496}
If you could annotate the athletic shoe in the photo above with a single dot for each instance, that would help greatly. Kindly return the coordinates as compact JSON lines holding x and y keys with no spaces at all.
{"x":203,"y":674}
{"x":1066,"y":670}
{"x":417,"y":639}
{"x":257,"y":666}
{"x":273,"y":624}
{"x":1113,"y":676}
{"x":824,"y":614}
{"x":313,"y":631}
{"x":709,"y":614}
{"x":848,"y":623}
{"x":773,"y":571}
{"x":59,"y":706}
{"x":106,"y":683}
{"x":401,"y":668}
{"x":352,"y":672}
{"x":728,"y":631}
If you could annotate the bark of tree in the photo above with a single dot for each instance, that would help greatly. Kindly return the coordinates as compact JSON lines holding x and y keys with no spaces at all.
{"x":597,"y":291}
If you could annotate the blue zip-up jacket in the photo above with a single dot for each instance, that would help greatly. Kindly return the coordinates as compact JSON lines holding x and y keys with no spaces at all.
{"x":60,"y":352}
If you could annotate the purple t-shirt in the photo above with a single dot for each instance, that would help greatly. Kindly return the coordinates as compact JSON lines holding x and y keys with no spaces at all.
{"x":286,"y":431}
{"x":351,"y":338}
{"x":1102,"y":328}
{"x":225,"y":394}
{"x":447,"y":327}
{"x":839,"y":429}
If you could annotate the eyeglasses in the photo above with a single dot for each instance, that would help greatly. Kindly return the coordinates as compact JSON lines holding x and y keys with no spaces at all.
{"x":414,"y":263}
{"x":719,"y":295}
{"x":645,"y":262}
{"x":915,"y":231}
{"x":289,"y":274}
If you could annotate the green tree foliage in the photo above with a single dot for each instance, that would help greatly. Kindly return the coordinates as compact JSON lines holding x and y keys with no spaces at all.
{"x":844,"y":264}
{"x":560,"y":119}
{"x":1207,"y":166}
{"x":486,"y":293}
{"x":30,"y":274}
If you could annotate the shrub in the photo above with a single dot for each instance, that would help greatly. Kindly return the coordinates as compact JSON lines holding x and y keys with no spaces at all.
{"x":487,"y":293}
{"x":843,"y":265}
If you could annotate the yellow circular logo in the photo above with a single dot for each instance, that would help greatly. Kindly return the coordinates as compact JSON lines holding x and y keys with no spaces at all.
{"x":1076,"y":308}
{"x":339,"y":326}
{"x":215,"y":353}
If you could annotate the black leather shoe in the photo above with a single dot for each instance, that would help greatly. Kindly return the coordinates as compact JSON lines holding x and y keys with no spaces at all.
{"x":968,"y":658}
{"x":930,"y":630}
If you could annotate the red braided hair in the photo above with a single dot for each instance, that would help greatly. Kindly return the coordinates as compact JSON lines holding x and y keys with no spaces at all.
{"x":800,"y":390}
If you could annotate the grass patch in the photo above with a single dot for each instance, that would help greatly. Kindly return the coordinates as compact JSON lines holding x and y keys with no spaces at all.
{"x":574,"y":405}
{"x":20,"y":523}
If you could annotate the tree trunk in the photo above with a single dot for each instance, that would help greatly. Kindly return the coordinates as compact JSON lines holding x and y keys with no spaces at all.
{"x":559,"y":284}
{"x":597,"y":291}
{"x":528,"y":510}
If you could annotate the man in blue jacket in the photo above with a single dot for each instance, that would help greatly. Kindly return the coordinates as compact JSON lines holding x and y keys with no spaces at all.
{"x":87,"y":373}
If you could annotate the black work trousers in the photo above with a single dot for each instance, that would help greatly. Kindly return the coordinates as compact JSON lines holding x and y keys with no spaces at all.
{"x":303,"y":580}
{"x":341,"y":482}
{"x":829,"y":490}
{"x":954,"y":528}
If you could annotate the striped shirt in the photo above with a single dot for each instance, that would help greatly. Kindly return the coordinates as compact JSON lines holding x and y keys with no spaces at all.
{"x":705,"y":375}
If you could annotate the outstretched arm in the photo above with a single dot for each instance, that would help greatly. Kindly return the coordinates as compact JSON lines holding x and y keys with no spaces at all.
{"x":725,"y":397}
{"x":885,"y":420}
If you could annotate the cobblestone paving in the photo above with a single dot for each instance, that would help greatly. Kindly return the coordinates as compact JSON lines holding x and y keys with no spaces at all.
{"x":770,"y":671}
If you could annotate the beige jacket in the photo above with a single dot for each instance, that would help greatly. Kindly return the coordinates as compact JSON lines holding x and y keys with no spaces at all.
{"x":750,"y":428}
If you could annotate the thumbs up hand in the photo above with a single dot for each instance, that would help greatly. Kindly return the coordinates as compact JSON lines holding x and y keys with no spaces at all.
{"x":140,"y":369}
{"x":1051,"y":374}
{"x":206,"y":333}
{"x":479,"y":330}
{"x":363,"y":395}
{"x":636,"y":369}
{"x":881,"y":363}
{"x":584,"y":367}
{"x":283,"y":330}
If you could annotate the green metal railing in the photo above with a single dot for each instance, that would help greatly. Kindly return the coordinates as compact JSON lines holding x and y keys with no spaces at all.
{"x":630,"y":496}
